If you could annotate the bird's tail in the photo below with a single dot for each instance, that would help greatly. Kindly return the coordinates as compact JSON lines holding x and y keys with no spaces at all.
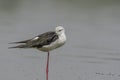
{"x":22,"y":45}
{"x":25,"y":41}
{"x":19,"y":46}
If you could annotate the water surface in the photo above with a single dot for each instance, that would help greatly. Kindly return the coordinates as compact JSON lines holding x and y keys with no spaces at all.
{"x":92,"y":51}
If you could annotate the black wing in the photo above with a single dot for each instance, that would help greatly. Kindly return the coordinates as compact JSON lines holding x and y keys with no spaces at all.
{"x":43,"y":39}
{"x":38,"y":41}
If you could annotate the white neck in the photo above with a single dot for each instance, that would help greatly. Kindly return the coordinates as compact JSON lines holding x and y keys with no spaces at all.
{"x":62,"y":37}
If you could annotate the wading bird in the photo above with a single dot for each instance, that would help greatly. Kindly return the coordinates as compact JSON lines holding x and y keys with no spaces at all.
{"x":45,"y":42}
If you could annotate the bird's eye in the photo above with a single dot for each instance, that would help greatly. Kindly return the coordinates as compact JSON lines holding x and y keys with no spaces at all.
{"x":60,"y":30}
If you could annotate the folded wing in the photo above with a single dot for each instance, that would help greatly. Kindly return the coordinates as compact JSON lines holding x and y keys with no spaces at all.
{"x":38,"y":41}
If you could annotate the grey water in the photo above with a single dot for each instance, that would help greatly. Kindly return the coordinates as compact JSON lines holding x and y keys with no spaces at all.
{"x":92,"y":50}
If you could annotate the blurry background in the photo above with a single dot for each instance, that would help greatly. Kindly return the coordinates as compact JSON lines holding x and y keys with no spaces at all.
{"x":92,"y":51}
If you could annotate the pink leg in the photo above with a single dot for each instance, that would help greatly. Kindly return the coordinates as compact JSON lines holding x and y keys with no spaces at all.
{"x":47,"y":66}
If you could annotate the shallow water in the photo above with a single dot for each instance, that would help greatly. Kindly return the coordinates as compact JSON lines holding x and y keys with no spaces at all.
{"x":92,"y":51}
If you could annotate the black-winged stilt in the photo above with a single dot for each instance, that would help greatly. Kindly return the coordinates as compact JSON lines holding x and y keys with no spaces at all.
{"x":45,"y":42}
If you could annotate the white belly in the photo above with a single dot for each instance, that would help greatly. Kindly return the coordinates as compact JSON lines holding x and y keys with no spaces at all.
{"x":58,"y":43}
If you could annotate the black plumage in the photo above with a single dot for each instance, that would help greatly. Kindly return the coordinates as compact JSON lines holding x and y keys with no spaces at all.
{"x":38,"y":41}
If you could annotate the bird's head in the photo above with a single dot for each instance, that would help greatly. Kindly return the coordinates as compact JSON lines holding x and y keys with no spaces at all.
{"x":59,"y":30}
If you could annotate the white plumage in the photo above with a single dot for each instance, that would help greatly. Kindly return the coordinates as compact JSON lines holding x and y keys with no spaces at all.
{"x":58,"y":42}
